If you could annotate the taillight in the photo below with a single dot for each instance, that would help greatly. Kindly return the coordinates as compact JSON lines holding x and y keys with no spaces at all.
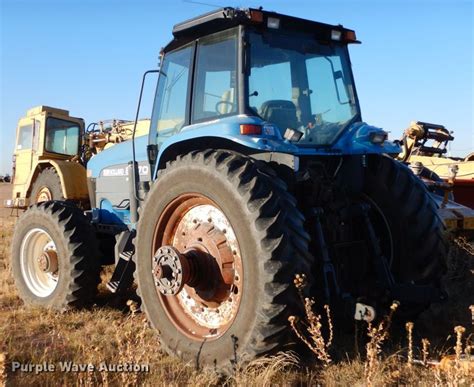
{"x":250,"y":129}
{"x":350,"y":36}
{"x":256,"y":16}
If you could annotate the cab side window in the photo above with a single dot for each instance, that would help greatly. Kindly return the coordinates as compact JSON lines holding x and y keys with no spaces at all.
{"x":215,"y":87}
{"x":25,"y":137}
{"x":169,"y":111}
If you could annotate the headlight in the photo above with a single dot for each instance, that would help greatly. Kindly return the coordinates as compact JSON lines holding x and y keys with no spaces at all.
{"x":378,"y":137}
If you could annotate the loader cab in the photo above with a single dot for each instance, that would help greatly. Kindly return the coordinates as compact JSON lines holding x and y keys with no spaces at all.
{"x":282,"y":70}
{"x":44,"y":134}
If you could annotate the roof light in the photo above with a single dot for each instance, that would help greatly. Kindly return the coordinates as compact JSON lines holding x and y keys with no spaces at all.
{"x":256,"y":16}
{"x":249,"y":129}
{"x":336,"y":35}
{"x":273,"y":22}
{"x":350,"y":36}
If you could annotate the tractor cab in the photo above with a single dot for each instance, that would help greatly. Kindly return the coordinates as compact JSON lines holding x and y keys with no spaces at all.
{"x":263,"y":78}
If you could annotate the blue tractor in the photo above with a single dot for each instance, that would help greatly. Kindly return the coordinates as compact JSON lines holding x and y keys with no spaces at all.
{"x":257,"y":167}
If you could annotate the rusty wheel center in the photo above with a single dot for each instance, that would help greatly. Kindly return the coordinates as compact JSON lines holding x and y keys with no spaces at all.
{"x":48,"y":261}
{"x":197,"y":267}
{"x":44,"y":195}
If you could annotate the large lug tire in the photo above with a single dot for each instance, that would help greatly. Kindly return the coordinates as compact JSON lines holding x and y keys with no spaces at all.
{"x":419,"y":246}
{"x":47,"y":186}
{"x":264,"y":231}
{"x":54,"y":256}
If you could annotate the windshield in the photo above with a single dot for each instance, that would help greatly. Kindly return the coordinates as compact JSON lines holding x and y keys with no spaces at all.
{"x":296,"y":82}
{"x":62,"y":136}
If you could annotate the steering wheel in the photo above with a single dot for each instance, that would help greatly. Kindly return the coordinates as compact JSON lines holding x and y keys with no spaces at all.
{"x":218,"y":104}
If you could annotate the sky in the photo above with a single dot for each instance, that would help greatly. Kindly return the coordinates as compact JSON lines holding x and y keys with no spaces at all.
{"x":88,"y":56}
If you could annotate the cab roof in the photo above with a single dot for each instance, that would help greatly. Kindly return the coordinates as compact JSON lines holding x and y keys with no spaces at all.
{"x":228,"y":17}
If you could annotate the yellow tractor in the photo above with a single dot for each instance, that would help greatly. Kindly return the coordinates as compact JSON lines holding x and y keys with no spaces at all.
{"x":52,"y":149}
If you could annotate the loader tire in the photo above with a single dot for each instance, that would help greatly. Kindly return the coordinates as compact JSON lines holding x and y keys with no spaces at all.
{"x":47,"y":186}
{"x":240,"y":202}
{"x":54,"y":256}
{"x":420,"y":247}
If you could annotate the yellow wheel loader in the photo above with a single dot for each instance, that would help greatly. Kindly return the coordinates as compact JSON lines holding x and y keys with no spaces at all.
{"x":51,"y":151}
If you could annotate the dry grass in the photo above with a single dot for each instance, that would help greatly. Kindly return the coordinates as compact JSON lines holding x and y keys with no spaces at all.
{"x":112,"y":334}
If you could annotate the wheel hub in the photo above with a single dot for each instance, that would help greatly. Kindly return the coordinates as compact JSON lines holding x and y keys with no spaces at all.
{"x":48,"y":261}
{"x":171,"y":270}
{"x":197,"y":267}
{"x":206,"y":264}
{"x":44,"y":195}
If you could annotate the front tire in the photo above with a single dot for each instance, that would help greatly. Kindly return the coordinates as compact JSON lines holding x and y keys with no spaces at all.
{"x":226,"y":195}
{"x":46,"y":187}
{"x":54,"y":256}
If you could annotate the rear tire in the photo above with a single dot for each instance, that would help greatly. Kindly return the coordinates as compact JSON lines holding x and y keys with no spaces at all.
{"x":420,"y":248}
{"x":47,"y":186}
{"x":68,"y":274}
{"x":273,"y":248}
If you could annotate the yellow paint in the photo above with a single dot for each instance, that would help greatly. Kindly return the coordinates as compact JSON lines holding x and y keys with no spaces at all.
{"x":31,"y":156}
{"x":441,"y":166}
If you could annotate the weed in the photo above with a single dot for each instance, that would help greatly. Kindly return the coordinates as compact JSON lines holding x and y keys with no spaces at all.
{"x":425,"y":350}
{"x":377,"y":336}
{"x":409,"y":328}
{"x":459,"y":330}
{"x":316,"y":341}
{"x":3,"y":369}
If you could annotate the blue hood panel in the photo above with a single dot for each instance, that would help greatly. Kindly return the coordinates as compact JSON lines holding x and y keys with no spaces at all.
{"x":117,"y":155}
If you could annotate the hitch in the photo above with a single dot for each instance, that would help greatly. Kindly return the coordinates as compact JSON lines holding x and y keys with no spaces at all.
{"x":331,"y":285}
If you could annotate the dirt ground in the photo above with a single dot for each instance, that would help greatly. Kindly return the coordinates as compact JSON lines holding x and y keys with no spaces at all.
{"x":115,"y":332}
{"x":5,"y":193}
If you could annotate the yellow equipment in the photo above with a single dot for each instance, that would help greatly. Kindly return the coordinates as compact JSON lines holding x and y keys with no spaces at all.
{"x":424,"y":147}
{"x":52,"y":149}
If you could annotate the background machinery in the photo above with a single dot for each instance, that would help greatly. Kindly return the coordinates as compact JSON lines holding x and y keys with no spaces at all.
{"x":256,"y":167}
{"x":426,"y":145}
{"x":51,"y":151}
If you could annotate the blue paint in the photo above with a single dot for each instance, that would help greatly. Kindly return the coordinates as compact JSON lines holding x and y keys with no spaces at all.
{"x":107,"y":214}
{"x":117,"y":155}
{"x":354,"y":140}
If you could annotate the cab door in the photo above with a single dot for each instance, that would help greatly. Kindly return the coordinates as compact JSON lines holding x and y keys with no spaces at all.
{"x":26,"y":147}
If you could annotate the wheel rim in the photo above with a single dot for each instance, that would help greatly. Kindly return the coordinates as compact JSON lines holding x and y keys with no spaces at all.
{"x":206,"y":307}
{"x":44,"y":195}
{"x":39,"y":263}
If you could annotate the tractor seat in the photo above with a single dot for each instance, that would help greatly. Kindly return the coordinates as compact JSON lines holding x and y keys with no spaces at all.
{"x":228,"y":102}
{"x":281,"y":113}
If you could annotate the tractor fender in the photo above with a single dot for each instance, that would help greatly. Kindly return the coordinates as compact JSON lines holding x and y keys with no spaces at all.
{"x":223,"y":134}
{"x":72,"y":175}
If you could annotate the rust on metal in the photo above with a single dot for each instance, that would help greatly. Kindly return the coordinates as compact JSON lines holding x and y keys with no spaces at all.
{"x":200,"y":263}
{"x":48,"y":261}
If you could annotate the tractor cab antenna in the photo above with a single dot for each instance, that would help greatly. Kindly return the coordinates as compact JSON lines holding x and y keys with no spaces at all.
{"x":201,"y":3}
